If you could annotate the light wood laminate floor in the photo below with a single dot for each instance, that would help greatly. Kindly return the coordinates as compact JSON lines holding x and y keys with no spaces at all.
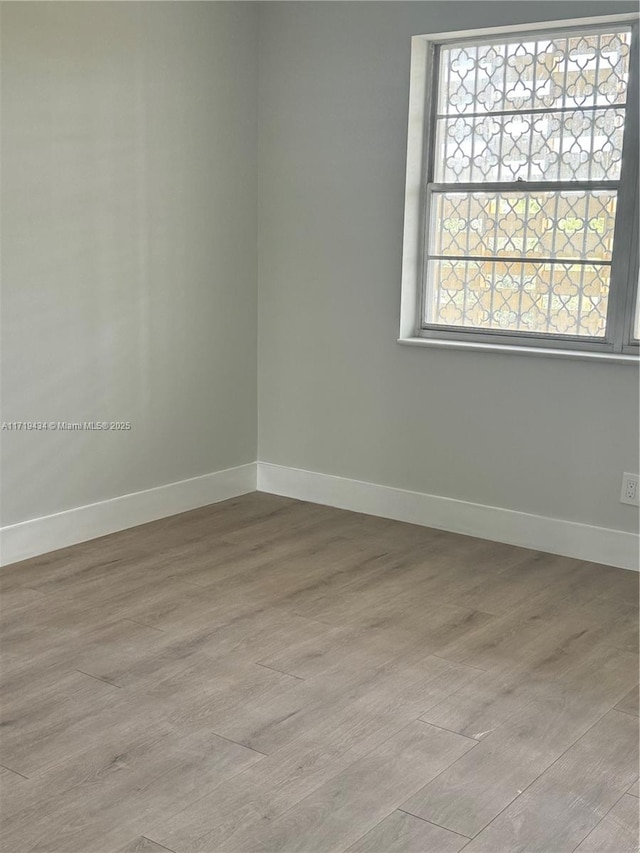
{"x":269,"y":675}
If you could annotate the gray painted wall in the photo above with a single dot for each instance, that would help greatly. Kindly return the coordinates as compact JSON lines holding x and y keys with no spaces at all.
{"x":129,"y":155}
{"x":337,"y":394}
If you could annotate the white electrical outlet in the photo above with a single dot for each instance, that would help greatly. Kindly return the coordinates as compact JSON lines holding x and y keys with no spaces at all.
{"x":630,"y":493}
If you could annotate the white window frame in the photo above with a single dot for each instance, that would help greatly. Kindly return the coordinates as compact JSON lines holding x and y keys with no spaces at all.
{"x":619,"y":345}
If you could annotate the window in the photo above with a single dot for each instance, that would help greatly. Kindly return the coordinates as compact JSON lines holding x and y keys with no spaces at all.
{"x":522,"y":188}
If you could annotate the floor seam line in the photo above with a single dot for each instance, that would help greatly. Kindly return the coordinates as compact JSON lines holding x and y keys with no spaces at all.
{"x":237,"y":743}
{"x":146,"y":838}
{"x":273,"y":669}
{"x":17,"y":772}
{"x":432,"y":823}
{"x":98,"y":678}
{"x":444,"y":729}
{"x":459,"y":663}
{"x":622,"y":711}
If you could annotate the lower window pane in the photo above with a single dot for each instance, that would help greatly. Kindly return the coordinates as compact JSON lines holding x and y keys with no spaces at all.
{"x":562,"y":225}
{"x":550,"y":299}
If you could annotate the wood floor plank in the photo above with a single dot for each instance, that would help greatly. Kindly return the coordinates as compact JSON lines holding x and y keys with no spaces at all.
{"x":567,"y":802}
{"x":274,"y":580}
{"x":404,"y":833}
{"x":316,"y":655}
{"x":129,"y":654}
{"x":509,"y":641}
{"x":188,"y":698}
{"x":88,"y":765}
{"x":568,"y":652}
{"x":401,"y":689}
{"x":467,"y":796}
{"x":289,"y":520}
{"x":338,"y":813}
{"x":437,"y":574}
{"x":132,"y":791}
{"x":31,"y":725}
{"x":387,"y":630}
{"x":198,"y":696}
{"x":318,"y":750}
{"x":387,"y":575}
{"x":63,"y":619}
{"x":629,"y":704}
{"x":619,"y":621}
{"x":617,"y":832}
{"x":219,"y":558}
{"x":516,"y":584}
{"x":332,"y":600}
{"x":265,"y":674}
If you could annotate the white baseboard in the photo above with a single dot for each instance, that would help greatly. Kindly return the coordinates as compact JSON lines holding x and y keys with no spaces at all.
{"x":40,"y":535}
{"x":556,"y":536}
{"x":569,"y":538}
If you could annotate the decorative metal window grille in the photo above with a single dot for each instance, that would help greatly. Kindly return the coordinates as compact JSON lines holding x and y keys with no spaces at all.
{"x":531,"y":189}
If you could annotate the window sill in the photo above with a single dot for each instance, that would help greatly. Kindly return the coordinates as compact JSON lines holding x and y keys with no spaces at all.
{"x":474,"y":346}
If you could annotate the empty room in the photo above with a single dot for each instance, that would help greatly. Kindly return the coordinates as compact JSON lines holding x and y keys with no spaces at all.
{"x":319,"y":426}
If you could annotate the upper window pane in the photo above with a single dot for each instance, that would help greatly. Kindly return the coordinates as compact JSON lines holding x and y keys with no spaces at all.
{"x":586,"y":70}
{"x":547,"y":109}
{"x":579,"y":145}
